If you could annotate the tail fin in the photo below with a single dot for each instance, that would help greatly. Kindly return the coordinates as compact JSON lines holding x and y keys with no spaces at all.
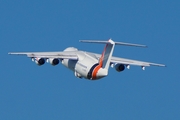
{"x":108,"y":50}
{"x":105,"y":58}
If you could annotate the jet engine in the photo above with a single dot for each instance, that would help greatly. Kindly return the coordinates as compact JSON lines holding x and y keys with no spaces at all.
{"x":39,"y":61}
{"x":119,"y":67}
{"x":54,"y":61}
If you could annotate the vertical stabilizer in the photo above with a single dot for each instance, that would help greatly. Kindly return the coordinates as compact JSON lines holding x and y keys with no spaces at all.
{"x":104,"y":61}
{"x":101,"y":69}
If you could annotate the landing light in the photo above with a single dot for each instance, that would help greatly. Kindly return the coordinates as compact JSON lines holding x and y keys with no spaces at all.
{"x":143,"y":68}
{"x":128,"y":66}
{"x":32,"y":59}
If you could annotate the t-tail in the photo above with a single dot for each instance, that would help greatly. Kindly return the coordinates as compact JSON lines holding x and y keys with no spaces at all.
{"x":102,"y":69}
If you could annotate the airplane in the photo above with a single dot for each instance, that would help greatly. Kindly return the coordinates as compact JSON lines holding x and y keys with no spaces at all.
{"x":88,"y":65}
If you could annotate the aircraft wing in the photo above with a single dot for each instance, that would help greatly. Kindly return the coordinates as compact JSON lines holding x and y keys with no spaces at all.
{"x":118,"y":60}
{"x":61,"y":55}
{"x":133,"y":62}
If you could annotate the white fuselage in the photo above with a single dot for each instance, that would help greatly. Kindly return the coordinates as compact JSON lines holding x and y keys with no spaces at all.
{"x":87,"y":66}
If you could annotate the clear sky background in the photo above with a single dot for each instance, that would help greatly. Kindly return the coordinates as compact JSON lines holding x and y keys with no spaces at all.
{"x":30,"y":92}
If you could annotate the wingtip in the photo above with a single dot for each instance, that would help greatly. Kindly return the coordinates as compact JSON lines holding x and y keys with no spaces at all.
{"x":159,"y":65}
{"x":144,"y":46}
{"x":165,"y":65}
{"x":162,"y":65}
{"x":80,"y":40}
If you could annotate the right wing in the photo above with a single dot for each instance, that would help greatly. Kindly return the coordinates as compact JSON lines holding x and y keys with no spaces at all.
{"x":61,"y":55}
{"x":118,"y":60}
{"x":134,"y":62}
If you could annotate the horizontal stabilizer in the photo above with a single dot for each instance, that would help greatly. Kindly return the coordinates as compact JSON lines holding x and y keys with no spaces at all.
{"x":116,"y":43}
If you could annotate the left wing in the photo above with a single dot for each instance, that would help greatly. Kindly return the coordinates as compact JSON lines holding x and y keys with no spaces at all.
{"x":61,"y":55}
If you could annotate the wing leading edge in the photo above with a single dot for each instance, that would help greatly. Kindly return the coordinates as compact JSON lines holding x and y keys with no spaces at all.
{"x":61,"y":55}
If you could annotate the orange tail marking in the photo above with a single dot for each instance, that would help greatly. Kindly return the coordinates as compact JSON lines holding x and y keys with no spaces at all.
{"x":96,"y":69}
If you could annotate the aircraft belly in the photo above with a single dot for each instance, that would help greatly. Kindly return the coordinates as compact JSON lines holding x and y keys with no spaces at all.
{"x":69,"y":63}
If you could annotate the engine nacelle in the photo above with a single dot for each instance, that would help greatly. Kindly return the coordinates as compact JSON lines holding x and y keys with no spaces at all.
{"x":39,"y":61}
{"x":53,"y":61}
{"x":119,"y":67}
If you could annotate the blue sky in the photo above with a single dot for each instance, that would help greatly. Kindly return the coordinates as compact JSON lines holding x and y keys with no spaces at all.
{"x":28,"y":91}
